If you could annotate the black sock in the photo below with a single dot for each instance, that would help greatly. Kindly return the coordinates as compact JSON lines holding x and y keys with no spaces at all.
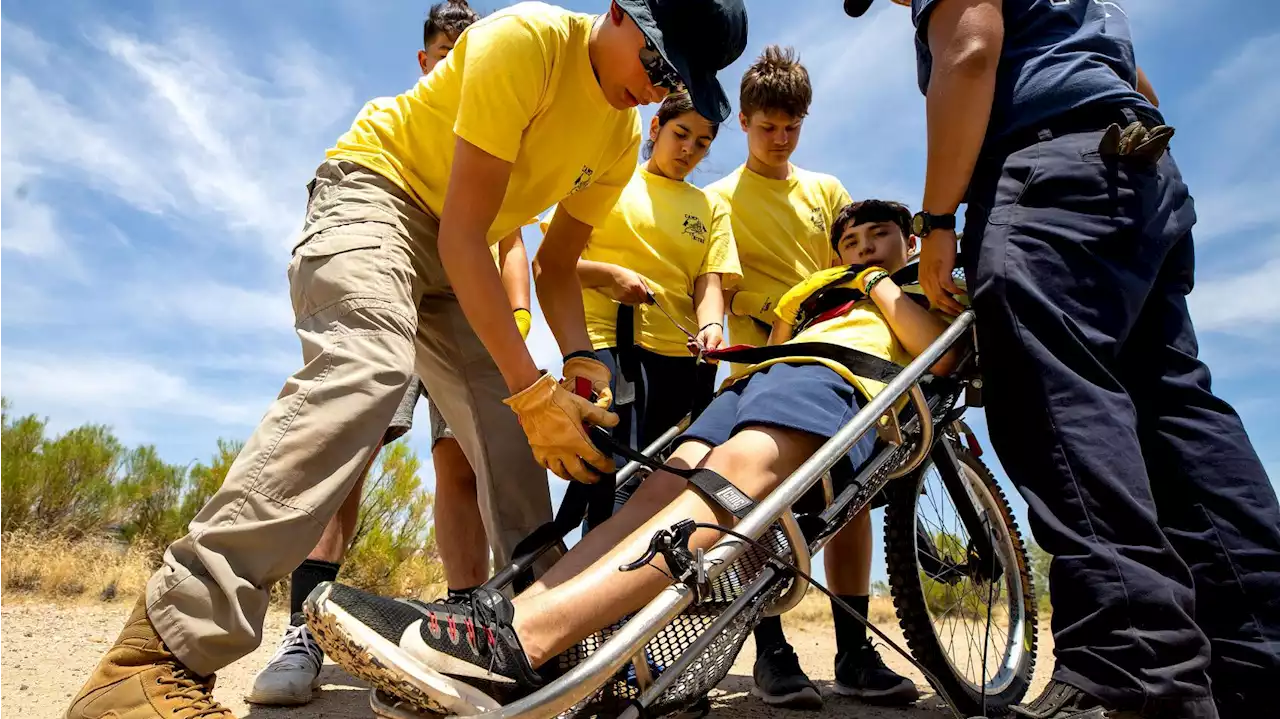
{"x":456,"y":595}
{"x":769,"y":634}
{"x":305,"y":578}
{"x":851,"y":635}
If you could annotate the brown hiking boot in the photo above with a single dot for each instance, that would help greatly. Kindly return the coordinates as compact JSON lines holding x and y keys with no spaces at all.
{"x":140,"y":678}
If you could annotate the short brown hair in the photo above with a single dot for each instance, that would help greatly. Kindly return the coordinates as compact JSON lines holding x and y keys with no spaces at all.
{"x":776,"y":81}
{"x":860,"y":213}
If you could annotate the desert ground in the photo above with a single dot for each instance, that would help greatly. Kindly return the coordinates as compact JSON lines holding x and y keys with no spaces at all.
{"x":49,"y":649}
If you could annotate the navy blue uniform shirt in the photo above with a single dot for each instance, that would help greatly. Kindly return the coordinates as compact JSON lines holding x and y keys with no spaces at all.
{"x":1058,"y":55}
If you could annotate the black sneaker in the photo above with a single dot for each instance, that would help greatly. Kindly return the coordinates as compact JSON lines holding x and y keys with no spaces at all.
{"x":447,"y":658}
{"x":861,"y":674}
{"x":1060,"y":700}
{"x":780,"y":682}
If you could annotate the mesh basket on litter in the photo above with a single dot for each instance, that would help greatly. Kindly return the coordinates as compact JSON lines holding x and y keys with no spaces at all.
{"x":663,"y":650}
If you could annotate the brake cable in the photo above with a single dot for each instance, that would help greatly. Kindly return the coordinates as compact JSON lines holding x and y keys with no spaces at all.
{"x":681,"y":530}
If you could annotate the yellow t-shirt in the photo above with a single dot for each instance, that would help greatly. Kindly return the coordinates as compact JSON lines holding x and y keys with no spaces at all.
{"x":519,"y":85}
{"x":672,"y":233}
{"x":863,"y":328}
{"x":782,"y":229}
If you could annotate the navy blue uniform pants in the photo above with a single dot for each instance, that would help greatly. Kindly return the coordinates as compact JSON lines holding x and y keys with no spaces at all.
{"x":1141,"y":483}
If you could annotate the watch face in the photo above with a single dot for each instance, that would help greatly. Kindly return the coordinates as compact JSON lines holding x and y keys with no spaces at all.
{"x":918,"y":224}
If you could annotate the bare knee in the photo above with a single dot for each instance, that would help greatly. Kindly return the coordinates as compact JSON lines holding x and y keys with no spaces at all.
{"x":660,"y":488}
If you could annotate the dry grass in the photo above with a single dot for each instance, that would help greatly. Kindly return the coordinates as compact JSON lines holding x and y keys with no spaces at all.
{"x":815,"y":611}
{"x":52,"y":567}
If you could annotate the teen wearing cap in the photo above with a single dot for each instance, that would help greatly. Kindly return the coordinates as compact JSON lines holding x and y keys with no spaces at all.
{"x":664,"y":255}
{"x":1143,"y":485}
{"x":293,"y":671}
{"x":534,"y":106}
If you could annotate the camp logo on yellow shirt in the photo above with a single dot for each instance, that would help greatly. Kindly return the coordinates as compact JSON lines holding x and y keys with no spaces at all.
{"x":671,"y":233}
{"x":518,"y":85}
{"x":780,"y":227}
{"x":584,"y":179}
{"x":818,"y":219}
{"x":695,"y":229}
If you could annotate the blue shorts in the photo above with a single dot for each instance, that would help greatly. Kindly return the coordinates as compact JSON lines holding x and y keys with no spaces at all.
{"x":806,"y":397}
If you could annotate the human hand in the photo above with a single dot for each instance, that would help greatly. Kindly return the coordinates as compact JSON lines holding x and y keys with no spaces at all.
{"x":937,"y":261}
{"x":553,"y":419}
{"x":629,"y":287}
{"x":710,"y":337}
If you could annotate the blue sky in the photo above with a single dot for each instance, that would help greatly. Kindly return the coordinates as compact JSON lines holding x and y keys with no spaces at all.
{"x":155,"y":157}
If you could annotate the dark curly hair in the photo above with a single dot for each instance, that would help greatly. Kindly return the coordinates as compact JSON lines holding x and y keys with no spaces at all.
{"x":450,"y":17}
{"x":858,"y":213}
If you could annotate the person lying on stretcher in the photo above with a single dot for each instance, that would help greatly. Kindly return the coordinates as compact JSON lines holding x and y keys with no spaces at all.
{"x":766,"y":421}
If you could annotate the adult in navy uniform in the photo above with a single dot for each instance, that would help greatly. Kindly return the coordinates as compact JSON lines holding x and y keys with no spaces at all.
{"x":1078,"y":255}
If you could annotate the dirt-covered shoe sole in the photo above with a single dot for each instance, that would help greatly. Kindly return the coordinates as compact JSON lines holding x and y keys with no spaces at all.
{"x":385,"y":706}
{"x":371,"y":657}
{"x":807,"y":699}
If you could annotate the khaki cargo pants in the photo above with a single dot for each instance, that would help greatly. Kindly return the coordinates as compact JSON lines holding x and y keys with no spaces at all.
{"x":372,"y":304}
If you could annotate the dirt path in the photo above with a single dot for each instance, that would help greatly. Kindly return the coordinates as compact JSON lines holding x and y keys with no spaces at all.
{"x":48,"y":652}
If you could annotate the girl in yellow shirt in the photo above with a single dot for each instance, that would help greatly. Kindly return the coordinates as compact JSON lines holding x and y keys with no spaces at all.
{"x":653,"y":270}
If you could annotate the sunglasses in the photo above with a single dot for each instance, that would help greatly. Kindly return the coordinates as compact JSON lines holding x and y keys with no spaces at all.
{"x":660,"y":72}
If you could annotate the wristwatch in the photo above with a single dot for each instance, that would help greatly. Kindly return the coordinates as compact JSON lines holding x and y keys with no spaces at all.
{"x":922,"y":223}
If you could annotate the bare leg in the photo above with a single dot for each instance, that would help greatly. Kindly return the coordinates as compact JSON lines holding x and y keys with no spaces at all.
{"x":337,"y":535}
{"x":460,"y":535}
{"x":578,"y":601}
{"x":848,"y":558}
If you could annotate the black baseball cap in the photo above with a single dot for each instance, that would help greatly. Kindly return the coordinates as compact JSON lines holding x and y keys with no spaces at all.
{"x":698,"y":38}
{"x":856,"y":8}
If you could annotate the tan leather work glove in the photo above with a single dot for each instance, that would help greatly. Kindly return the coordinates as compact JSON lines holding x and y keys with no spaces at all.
{"x":595,"y":373}
{"x":552,"y":418}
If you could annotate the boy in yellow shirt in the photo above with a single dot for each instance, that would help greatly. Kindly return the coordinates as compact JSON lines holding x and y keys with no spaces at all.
{"x":534,"y":106}
{"x":782,"y":214}
{"x":755,"y":433}
{"x":293,"y":671}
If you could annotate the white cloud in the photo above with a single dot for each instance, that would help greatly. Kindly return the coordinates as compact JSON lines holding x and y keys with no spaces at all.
{"x":176,"y":127}
{"x":1234,"y":209}
{"x":1243,"y":304}
{"x":113,"y":389}
{"x":21,"y":43}
{"x":29,"y":226}
{"x":269,"y":361}
{"x":864,"y":86}
{"x":1235,"y":113}
{"x":226,"y":308}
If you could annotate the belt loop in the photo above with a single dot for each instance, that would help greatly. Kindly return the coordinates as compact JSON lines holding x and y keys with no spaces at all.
{"x":1130,"y":116}
{"x":1045,"y":135}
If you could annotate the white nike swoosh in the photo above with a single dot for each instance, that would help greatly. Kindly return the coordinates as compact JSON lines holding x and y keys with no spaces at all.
{"x":411,"y":643}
